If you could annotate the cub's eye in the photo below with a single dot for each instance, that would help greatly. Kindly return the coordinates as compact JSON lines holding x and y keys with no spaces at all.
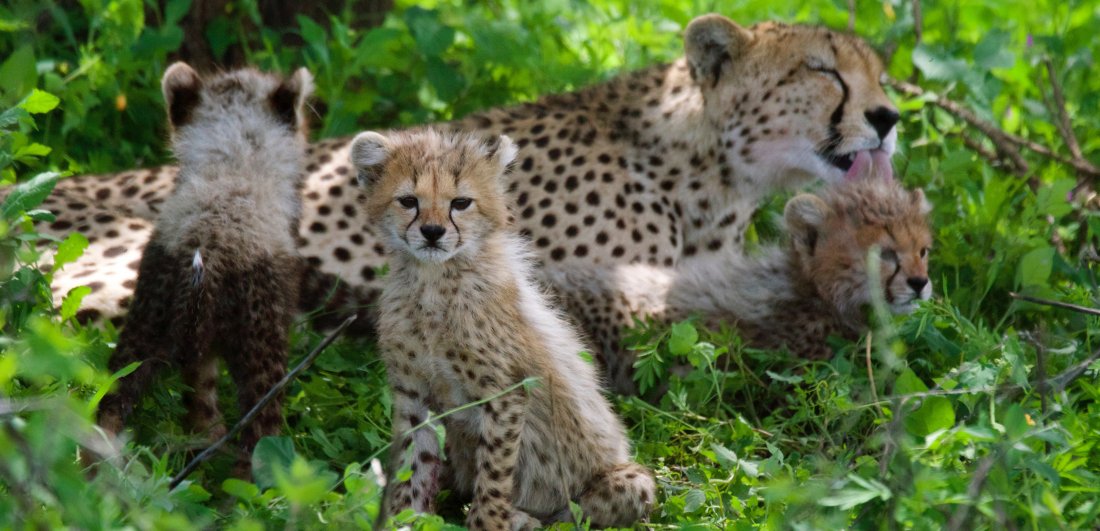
{"x":923,"y":252}
{"x":461,"y":203}
{"x":408,"y":201}
{"x":889,"y":255}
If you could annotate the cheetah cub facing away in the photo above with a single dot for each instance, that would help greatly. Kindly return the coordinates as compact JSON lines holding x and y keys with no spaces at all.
{"x":219,"y":276}
{"x":462,"y":321}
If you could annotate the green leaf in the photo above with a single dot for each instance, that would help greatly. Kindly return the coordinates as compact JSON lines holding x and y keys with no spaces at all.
{"x":935,"y":413}
{"x":939,"y":66}
{"x":39,"y":102}
{"x":175,"y":10}
{"x":693,"y":500}
{"x":683,"y":337}
{"x":792,"y":379}
{"x":446,"y":81}
{"x":71,"y":303}
{"x":27,"y":195}
{"x":18,"y":74}
{"x":69,"y":250}
{"x":1052,"y":199}
{"x":271,"y":453}
{"x":432,"y":37}
{"x":995,"y":51}
{"x":725,"y":457}
{"x":241,"y":489}
{"x":1034,"y":267}
{"x":908,"y":383}
{"x":858,"y":492}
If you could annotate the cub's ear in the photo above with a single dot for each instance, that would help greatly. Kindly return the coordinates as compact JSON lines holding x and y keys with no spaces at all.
{"x":921,"y":201}
{"x":288,"y":100}
{"x":503,"y":151}
{"x":805,"y":214}
{"x":181,"y":86}
{"x":369,"y":151}
{"x":713,"y":43}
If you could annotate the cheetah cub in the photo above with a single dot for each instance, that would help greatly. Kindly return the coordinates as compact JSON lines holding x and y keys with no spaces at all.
{"x":461,"y":321}
{"x":219,"y":276}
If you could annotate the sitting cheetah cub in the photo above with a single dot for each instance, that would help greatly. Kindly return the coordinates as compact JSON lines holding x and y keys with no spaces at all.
{"x":219,"y":276}
{"x":462,"y":321}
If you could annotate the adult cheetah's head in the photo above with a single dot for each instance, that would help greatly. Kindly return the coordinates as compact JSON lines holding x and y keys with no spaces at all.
{"x":835,"y":235}
{"x":434,"y":194}
{"x":792,"y":103}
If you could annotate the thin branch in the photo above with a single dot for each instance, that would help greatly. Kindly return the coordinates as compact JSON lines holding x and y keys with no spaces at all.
{"x":871,"y":372}
{"x":1007,"y":144}
{"x":973,"y":490}
{"x":1063,"y":123}
{"x":851,"y":15}
{"x":1056,"y":304}
{"x":267,"y":398}
{"x":918,"y":36}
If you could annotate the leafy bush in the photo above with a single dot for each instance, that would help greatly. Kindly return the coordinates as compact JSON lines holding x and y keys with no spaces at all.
{"x":979,"y":410}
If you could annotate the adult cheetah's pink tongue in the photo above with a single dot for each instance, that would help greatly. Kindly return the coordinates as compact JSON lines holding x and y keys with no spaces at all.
{"x":870,"y":163}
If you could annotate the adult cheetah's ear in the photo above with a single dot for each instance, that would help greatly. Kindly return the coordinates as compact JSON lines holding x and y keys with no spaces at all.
{"x":369,"y":151}
{"x":181,"y":86}
{"x":921,"y":201}
{"x":288,"y":100}
{"x":503,"y":151}
{"x":713,"y":43}
{"x":805,"y":214}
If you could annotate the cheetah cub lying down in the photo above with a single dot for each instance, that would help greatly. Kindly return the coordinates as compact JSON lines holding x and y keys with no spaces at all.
{"x":219,"y":276}
{"x":462,"y":321}
{"x":793,"y":296}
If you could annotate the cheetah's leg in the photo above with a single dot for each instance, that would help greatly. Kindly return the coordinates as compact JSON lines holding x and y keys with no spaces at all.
{"x":619,"y":497}
{"x":501,"y":425}
{"x":201,"y":402}
{"x":418,"y":450}
{"x":256,"y":364}
{"x":143,"y":338}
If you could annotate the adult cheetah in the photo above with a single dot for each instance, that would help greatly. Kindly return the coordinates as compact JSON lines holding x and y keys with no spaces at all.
{"x":653,"y":167}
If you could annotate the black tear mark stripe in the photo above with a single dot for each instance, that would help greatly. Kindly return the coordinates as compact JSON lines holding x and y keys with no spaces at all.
{"x":415,"y":217}
{"x":890,"y":282}
{"x":451,"y":216}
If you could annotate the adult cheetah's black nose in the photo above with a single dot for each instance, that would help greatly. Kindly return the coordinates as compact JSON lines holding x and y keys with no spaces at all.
{"x":917,"y":283}
{"x":432,"y":233}
{"x":882,"y":119}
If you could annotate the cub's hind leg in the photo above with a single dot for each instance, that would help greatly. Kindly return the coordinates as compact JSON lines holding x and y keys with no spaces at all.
{"x":255,"y":345}
{"x":618,"y":497}
{"x":146,"y":336}
{"x":201,"y":400}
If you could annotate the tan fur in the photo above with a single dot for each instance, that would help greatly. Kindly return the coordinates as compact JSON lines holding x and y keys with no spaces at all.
{"x":219,"y":277}
{"x":653,"y":167}
{"x":790,"y":297}
{"x":462,"y":321}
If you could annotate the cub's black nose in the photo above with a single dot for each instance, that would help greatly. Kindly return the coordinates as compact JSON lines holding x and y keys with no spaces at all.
{"x":882,"y":119}
{"x":432,"y":232}
{"x":917,"y":283}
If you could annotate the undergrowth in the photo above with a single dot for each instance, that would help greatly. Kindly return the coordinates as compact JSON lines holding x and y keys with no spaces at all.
{"x":977,"y":411}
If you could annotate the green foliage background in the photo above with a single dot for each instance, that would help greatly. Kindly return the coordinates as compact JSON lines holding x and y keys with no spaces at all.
{"x":948,"y":422}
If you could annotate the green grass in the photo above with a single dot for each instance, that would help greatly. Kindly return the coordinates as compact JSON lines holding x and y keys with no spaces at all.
{"x":957,"y":417}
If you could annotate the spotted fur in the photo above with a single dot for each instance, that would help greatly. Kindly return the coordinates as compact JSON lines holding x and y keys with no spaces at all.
{"x":461,"y":320}
{"x":219,"y":277}
{"x":654,"y":167}
{"x":791,"y":297}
